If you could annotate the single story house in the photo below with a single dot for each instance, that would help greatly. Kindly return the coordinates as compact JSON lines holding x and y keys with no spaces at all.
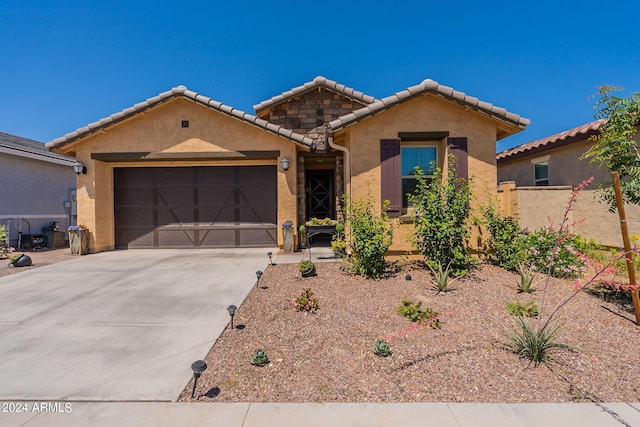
{"x":183,"y":170}
{"x":536,"y":179}
{"x":38,"y":188}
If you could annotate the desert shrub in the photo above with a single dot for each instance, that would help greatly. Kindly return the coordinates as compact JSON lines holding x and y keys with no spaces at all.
{"x":414,"y":312}
{"x":517,"y":308}
{"x":5,"y":250}
{"x":306,"y":301}
{"x":507,"y":245}
{"x":553,"y":250}
{"x":371,"y":237}
{"x":440,"y":213}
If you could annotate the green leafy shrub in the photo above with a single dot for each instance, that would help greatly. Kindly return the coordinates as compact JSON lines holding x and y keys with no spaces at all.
{"x":507,"y":246}
{"x":371,"y":237}
{"x":5,"y":250}
{"x":306,"y":301}
{"x":259,"y":358}
{"x":414,"y":312}
{"x":554,"y":249}
{"x":529,"y":309}
{"x":381,"y":348}
{"x":440,"y":213}
{"x":305,"y":265}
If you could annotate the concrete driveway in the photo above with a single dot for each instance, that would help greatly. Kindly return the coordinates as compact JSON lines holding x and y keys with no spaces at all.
{"x":117,"y":326}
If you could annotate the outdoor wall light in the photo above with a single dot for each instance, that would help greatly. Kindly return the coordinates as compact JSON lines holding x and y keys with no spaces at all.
{"x":258,"y":275}
{"x":285,"y":164}
{"x":198,"y":367}
{"x":79,"y":168}
{"x":270,"y":254}
{"x":232,"y":311}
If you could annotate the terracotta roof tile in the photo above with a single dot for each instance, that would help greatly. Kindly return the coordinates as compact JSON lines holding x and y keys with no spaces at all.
{"x":429,"y":86}
{"x":585,"y":130}
{"x":319,"y":81}
{"x":179,"y":91}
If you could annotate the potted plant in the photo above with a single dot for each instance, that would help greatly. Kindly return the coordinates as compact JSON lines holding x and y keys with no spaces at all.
{"x":79,"y":239}
{"x":307,"y":268}
{"x":302,"y":235}
{"x":321,"y":226}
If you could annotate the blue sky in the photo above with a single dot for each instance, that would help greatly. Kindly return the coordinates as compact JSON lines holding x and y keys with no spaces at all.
{"x":66,"y":64}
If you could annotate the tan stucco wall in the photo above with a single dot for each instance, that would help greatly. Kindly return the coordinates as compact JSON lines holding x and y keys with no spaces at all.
{"x":590,"y":218}
{"x":565,"y":167}
{"x":424,"y":114}
{"x":159,"y":130}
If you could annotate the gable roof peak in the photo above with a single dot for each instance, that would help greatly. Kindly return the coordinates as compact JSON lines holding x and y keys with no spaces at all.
{"x":318,"y":81}
{"x":180,"y":91}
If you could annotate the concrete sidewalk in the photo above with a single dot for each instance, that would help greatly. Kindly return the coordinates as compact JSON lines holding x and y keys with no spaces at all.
{"x":330,"y":414}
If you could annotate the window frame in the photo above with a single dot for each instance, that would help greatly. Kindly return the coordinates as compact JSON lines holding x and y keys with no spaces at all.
{"x":540,"y":161}
{"x":415,"y":144}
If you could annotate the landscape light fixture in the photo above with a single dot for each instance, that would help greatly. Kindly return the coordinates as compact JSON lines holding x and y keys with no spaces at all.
{"x":258,"y":275}
{"x":270,"y":254}
{"x":198,"y":367}
{"x":79,"y":168}
{"x":285,"y":164}
{"x":407,"y":277}
{"x":232,"y":311}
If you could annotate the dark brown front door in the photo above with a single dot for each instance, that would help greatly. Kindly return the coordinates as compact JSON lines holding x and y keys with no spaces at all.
{"x":183,"y":207}
{"x":320,"y":197}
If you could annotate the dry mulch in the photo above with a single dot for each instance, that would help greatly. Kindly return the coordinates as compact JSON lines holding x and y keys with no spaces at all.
{"x":327,"y":356}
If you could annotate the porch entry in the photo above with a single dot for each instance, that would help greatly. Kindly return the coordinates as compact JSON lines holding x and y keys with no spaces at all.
{"x":320,"y":194}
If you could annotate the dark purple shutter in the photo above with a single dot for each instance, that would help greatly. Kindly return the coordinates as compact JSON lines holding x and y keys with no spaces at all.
{"x":391,"y":175}
{"x":458,"y":147}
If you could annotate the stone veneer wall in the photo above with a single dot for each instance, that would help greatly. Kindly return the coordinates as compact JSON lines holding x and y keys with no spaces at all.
{"x":312,"y":109}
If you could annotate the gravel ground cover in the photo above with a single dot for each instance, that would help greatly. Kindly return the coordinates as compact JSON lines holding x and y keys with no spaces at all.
{"x":327,"y":356}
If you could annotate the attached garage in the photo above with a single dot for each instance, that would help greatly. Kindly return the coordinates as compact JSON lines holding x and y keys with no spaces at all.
{"x":187,"y":207}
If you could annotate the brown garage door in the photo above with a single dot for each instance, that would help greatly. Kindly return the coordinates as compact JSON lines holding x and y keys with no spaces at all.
{"x":186,"y":207}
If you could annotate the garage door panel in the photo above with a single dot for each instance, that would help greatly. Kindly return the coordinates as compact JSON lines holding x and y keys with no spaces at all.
{"x":175,"y":216}
{"x":134,"y":217}
{"x":137,"y":237}
{"x":196,"y":206}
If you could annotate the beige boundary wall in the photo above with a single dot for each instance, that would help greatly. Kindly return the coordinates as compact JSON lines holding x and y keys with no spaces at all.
{"x":536,"y":207}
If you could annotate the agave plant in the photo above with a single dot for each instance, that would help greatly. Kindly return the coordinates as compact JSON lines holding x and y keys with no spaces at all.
{"x":381,"y":348}
{"x":441,"y":277}
{"x":533,"y":343}
{"x":525,"y":284}
{"x":259,"y":358}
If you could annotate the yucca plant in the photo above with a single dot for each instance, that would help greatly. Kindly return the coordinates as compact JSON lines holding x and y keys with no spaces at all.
{"x":259,"y":358}
{"x":525,"y":284}
{"x":534,"y":344}
{"x":441,"y":276}
{"x":381,"y":348}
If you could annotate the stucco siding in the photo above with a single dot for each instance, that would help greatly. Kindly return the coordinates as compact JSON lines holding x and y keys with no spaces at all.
{"x":423,"y":114}
{"x":35,"y":190}
{"x":565,"y":167}
{"x":159,"y":130}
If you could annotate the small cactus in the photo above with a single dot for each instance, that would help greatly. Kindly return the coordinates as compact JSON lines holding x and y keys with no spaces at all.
{"x":381,"y":348}
{"x":259,"y":358}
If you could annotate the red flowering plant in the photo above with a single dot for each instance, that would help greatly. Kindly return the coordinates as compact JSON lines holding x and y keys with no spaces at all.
{"x":306,"y":301}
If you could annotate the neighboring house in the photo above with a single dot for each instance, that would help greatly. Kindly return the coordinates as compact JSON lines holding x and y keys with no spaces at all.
{"x":536,"y":179}
{"x":183,"y":170}
{"x":37,"y":188}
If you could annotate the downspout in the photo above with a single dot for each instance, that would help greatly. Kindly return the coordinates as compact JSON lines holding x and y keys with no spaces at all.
{"x":347,"y":162}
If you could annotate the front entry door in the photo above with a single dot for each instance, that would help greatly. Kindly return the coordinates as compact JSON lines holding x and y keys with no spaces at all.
{"x":320,"y":195}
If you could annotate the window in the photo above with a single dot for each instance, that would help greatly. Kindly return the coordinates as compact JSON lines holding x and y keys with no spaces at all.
{"x":423,"y":157}
{"x":541,"y":171}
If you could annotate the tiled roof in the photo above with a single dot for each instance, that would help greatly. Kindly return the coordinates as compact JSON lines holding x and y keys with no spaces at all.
{"x":429,"y":86}
{"x":180,"y":91}
{"x":579,"y":133}
{"x":317,"y":82}
{"x":23,"y":146}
